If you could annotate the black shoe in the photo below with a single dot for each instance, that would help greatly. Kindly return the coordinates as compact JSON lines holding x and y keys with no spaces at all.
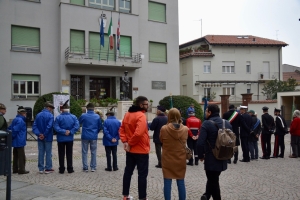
{"x":196,"y":162}
{"x":229,"y":161}
{"x":203,"y":197}
{"x":61,"y":172}
{"x":116,"y":169}
{"x":274,"y":157}
{"x":24,"y":172}
{"x":243,"y":160}
{"x":281,"y":156}
{"x":108,"y":169}
{"x":264,"y":157}
{"x":189,"y":164}
{"x":158,"y":166}
{"x":15,"y":172}
{"x":70,"y":171}
{"x":234,"y":161}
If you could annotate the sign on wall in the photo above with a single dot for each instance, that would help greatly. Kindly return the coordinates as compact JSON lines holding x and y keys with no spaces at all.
{"x":159,"y":85}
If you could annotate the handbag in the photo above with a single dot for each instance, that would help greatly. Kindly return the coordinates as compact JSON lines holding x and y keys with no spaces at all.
{"x":188,"y":151}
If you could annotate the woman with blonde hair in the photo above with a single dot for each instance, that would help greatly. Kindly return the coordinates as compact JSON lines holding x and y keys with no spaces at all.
{"x":295,"y":134}
{"x":173,"y":136}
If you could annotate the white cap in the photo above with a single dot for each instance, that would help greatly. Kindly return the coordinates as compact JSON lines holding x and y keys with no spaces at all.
{"x":243,"y":107}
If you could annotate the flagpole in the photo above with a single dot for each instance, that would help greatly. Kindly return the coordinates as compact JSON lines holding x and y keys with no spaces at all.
{"x":100,"y":34}
{"x":109,"y":36}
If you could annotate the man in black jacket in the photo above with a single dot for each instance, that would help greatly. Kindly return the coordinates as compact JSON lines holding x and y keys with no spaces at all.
{"x":155,"y":126}
{"x":236,"y":121}
{"x":245,"y":133}
{"x":268,"y":126}
{"x":280,"y":131}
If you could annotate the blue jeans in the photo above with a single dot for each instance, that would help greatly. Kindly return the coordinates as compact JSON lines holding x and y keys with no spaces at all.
{"x":168,"y":188}
{"x":44,"y":148}
{"x":85,"y":147}
{"x":253,"y":149}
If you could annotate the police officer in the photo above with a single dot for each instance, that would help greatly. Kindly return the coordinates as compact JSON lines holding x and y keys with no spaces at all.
{"x":268,"y":127}
{"x":280,"y":131}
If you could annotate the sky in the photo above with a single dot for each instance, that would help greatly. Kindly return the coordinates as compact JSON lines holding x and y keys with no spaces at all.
{"x":272,"y":19}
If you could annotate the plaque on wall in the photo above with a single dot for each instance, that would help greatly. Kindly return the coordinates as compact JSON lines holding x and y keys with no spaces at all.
{"x":159,"y":85}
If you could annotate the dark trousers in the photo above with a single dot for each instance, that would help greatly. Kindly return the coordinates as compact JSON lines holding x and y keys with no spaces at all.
{"x":279,"y":142}
{"x":65,"y":148}
{"x":19,"y":159}
{"x":158,"y":152}
{"x":245,"y":148}
{"x":142,"y":163}
{"x":111,"y":150}
{"x":266,"y":144}
{"x":192,"y":144}
{"x":295,"y":143}
{"x":212,"y":185}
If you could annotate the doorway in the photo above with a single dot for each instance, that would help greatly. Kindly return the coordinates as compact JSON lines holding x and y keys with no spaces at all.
{"x":99,"y":88}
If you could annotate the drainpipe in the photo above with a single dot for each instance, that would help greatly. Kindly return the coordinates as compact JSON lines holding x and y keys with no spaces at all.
{"x":257,"y":90}
{"x":279,"y":63}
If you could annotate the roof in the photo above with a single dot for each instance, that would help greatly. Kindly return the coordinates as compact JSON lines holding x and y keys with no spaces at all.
{"x":240,"y":40}
{"x":294,"y":75}
{"x":198,"y":54}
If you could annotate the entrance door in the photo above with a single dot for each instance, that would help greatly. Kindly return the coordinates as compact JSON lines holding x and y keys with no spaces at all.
{"x":77,"y":87}
{"x":99,"y":88}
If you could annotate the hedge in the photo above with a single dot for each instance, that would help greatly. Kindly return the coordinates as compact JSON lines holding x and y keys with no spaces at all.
{"x":182,"y":102}
{"x":75,"y":108}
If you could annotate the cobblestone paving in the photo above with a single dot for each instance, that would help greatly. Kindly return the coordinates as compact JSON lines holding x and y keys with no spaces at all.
{"x":262,"y":179}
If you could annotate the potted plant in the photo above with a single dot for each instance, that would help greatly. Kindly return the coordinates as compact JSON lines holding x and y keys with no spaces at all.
{"x":212,"y":96}
{"x":261,"y":76}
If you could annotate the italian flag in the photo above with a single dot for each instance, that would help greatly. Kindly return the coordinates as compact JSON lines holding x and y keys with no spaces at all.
{"x":110,"y":35}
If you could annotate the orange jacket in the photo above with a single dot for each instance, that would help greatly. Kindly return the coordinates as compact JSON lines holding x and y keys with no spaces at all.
{"x":194,"y":125}
{"x":134,"y":131}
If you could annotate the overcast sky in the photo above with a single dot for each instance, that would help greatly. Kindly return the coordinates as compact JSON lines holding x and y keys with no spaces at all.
{"x":272,"y":19}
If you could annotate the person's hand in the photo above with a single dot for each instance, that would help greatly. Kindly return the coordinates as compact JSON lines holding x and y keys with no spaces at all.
{"x":197,"y":136}
{"x":67,"y":132}
{"x":126,"y":147}
{"x":41,"y":136}
{"x":114,"y":140}
{"x":194,"y":137}
{"x":257,"y":135}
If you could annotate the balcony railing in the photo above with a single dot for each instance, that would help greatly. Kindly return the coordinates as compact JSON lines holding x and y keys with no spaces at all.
{"x":75,"y":56}
{"x":268,"y":75}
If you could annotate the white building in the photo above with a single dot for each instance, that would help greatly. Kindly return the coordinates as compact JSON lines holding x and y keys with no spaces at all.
{"x":54,"y":45}
{"x":229,"y":64}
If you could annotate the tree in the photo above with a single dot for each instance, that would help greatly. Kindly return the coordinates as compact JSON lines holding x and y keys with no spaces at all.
{"x":272,"y":87}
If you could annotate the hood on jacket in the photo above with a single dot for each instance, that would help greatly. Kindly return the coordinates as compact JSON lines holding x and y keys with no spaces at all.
{"x":134,"y":108}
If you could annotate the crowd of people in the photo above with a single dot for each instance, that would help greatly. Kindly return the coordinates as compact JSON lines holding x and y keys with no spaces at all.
{"x":171,"y":134}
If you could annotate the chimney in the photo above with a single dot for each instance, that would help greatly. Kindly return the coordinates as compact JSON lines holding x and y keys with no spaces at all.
{"x":253,"y":39}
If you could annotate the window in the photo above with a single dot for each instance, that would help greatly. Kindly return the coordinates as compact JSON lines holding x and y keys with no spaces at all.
{"x":156,"y":11}
{"x":228,"y":67}
{"x":77,"y":2}
{"x":157,"y":52}
{"x":125,"y":6}
{"x":25,"y":86}
{"x":100,"y":53}
{"x":206,"y":68}
{"x":125,"y":46}
{"x":183,"y":69}
{"x":248,"y":88}
{"x":207,"y":92}
{"x":103,"y":4}
{"x":77,"y":41}
{"x":248,"y":68}
{"x":25,"y":39}
{"x":228,"y":90}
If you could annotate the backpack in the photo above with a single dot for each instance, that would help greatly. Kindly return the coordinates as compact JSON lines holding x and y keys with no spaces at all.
{"x":225,"y":143}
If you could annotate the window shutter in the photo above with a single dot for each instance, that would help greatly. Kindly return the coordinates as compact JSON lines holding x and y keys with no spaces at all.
{"x":19,"y":77}
{"x":94,"y":46}
{"x":77,"y":2}
{"x":125,"y":46}
{"x":157,"y":11}
{"x":157,"y":52}
{"x":25,"y":36}
{"x":77,"y":41}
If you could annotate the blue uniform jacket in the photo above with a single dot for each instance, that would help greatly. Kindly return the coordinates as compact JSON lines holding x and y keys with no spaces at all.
{"x":91,"y":125}
{"x":209,"y":134}
{"x":19,"y":131}
{"x":110,"y":131}
{"x":66,"y":121}
{"x":43,"y":123}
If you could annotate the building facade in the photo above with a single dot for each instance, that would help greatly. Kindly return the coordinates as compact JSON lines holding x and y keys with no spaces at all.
{"x":229,"y":65}
{"x":51,"y":46}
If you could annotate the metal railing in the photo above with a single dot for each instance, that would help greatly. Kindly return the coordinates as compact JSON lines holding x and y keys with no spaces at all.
{"x":268,"y":75}
{"x":102,"y":55}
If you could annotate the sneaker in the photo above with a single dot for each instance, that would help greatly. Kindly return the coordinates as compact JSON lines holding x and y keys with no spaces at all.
{"x":48,"y":171}
{"x":41,"y":172}
{"x":203,"y":197}
{"x":127,"y":197}
{"x":85,"y":170}
{"x":93,"y":170}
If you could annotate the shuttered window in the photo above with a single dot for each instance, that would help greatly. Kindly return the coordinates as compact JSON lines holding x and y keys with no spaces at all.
{"x":25,"y":38}
{"x":94,"y":48}
{"x":77,"y":41}
{"x":125,"y":46}
{"x":157,"y":11}
{"x":157,"y":52}
{"x":77,"y":2}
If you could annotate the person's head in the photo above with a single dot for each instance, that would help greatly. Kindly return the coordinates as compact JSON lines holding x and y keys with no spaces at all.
{"x":126,"y":72}
{"x":49,"y":106}
{"x":90,"y":106}
{"x":142,"y":102}
{"x":211,"y":110}
{"x":231,"y":107}
{"x":265,"y":109}
{"x":65,"y":107}
{"x":22,"y":111}
{"x":99,"y":112}
{"x":251,"y":112}
{"x":192,"y":105}
{"x":191,"y":113}
{"x":110,"y":113}
{"x":160,"y":109}
{"x":2,"y":108}
{"x":174,"y":116}
{"x":277,"y":111}
{"x":296,"y":113}
{"x":243,"y":109}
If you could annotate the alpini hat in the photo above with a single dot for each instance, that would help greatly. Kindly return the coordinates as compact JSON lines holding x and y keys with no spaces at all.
{"x":48,"y":104}
{"x":251,"y":111}
{"x":66,"y":106}
{"x":110,"y":113}
{"x":2,"y":106}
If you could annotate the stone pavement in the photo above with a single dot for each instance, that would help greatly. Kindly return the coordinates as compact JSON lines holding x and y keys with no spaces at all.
{"x":262,"y":179}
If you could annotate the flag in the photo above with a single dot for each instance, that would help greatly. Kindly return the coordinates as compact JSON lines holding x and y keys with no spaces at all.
{"x":110,"y":34}
{"x":102,"y":33}
{"x":205,"y":106}
{"x":118,"y":34}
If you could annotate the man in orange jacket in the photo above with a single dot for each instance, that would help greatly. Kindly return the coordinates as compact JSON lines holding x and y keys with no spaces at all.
{"x":134,"y":135}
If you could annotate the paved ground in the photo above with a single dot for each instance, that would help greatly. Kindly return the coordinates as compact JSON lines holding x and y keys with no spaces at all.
{"x":262,"y":179}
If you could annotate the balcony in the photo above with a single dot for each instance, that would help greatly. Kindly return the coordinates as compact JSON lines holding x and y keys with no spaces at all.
{"x":268,"y":75}
{"x":102,"y":59}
